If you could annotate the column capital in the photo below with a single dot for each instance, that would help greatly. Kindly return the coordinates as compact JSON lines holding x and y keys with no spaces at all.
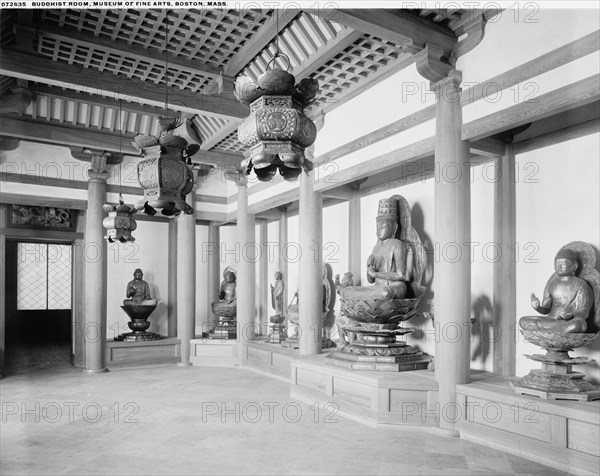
{"x":448,"y":88}
{"x":98,"y":158}
{"x":97,"y":176}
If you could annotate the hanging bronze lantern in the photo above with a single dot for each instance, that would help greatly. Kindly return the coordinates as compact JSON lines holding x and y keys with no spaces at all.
{"x":276,"y":132}
{"x":120,"y":222}
{"x":164,"y":175}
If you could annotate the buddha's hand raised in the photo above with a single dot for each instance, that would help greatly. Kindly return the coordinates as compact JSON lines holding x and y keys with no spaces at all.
{"x":535,"y":302}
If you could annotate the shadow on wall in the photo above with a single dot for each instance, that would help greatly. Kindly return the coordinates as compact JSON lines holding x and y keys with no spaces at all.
{"x":481,"y":329}
{"x":426,"y":304}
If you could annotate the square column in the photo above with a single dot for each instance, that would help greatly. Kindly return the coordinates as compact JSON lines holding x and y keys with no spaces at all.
{"x":505,"y":269}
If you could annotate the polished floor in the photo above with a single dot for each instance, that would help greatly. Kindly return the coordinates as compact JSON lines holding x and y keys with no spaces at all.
{"x":198,"y":420}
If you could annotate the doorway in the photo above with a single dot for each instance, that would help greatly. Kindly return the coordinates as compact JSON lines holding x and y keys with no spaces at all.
{"x":38,"y":326}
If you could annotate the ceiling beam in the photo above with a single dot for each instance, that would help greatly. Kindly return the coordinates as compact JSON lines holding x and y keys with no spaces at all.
{"x":400,"y":27}
{"x":260,"y":40}
{"x":93,"y":100}
{"x":42,"y":70}
{"x":45,"y":132}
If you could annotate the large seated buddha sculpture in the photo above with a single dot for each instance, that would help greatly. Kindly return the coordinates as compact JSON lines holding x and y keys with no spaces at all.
{"x":569,"y":318}
{"x":394,"y":269}
{"x":570,"y":305}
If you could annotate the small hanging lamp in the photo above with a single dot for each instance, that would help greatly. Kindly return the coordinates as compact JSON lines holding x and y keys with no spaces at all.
{"x":120,"y":222}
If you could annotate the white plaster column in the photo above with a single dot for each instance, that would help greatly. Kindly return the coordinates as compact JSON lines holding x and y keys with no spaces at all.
{"x":94,"y":332}
{"x":283,"y":254}
{"x":186,"y":281}
{"x":452,"y":235}
{"x":246,"y":272}
{"x":354,"y":242}
{"x":504,"y":277}
{"x":310,"y":282}
{"x":213,"y":273}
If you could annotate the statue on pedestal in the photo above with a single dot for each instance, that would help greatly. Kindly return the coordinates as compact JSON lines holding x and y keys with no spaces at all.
{"x":570,"y":309}
{"x":277,"y":329}
{"x":138,"y":291}
{"x":394,"y":269}
{"x":226,"y":307}
{"x":138,"y":306}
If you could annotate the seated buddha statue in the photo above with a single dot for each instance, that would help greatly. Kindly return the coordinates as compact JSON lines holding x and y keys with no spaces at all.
{"x":138,"y":291}
{"x":567,"y":299}
{"x":226,"y":305}
{"x":395,"y":265}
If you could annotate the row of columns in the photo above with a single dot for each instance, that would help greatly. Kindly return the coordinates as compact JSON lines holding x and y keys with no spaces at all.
{"x":452,"y":276}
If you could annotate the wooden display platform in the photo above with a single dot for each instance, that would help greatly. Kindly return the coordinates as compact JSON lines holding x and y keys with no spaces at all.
{"x":159,"y":351}
{"x":375,"y":398}
{"x":270,"y":358}
{"x":214,"y":352}
{"x":559,"y":433}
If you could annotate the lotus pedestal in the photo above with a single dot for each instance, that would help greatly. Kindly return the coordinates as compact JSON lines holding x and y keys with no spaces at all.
{"x":139,"y":324}
{"x":556,"y":379}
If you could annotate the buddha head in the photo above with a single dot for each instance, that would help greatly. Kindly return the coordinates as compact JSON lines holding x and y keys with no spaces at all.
{"x":387,"y":218}
{"x":565,"y":262}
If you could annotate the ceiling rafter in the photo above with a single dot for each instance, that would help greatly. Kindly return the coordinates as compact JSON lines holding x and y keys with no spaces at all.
{"x":254,"y":46}
{"x":42,"y":70}
{"x":78,"y":136}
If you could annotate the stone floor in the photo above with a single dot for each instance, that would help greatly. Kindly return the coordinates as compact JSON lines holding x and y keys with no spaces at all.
{"x":199,"y":420}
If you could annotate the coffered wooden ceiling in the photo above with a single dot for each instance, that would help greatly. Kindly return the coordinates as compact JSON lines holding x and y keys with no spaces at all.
{"x":79,"y":77}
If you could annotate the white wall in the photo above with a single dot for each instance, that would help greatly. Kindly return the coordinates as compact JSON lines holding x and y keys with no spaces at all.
{"x":558,"y":201}
{"x":149,"y":253}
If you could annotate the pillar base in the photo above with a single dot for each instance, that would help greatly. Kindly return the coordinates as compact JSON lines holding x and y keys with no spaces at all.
{"x":95,"y":371}
{"x":184,"y":364}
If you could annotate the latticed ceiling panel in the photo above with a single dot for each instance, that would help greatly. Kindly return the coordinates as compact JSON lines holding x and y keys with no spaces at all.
{"x":230,"y":144}
{"x":208,"y":126}
{"x":354,"y":66}
{"x":105,"y":60}
{"x":208,"y":36}
{"x":299,"y":41}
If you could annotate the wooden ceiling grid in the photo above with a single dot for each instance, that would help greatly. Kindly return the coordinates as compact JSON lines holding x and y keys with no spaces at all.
{"x":207,"y":36}
{"x":201,"y":45}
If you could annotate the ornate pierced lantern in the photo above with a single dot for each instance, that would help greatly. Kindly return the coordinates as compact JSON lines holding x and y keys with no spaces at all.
{"x":120,"y":222}
{"x":276,"y":132}
{"x":164,"y":175}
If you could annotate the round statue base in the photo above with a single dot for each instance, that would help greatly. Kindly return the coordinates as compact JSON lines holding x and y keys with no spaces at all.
{"x":138,"y":336}
{"x":277,"y":333}
{"x":556,"y":381}
{"x":224,"y":330}
{"x":373,"y":347}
